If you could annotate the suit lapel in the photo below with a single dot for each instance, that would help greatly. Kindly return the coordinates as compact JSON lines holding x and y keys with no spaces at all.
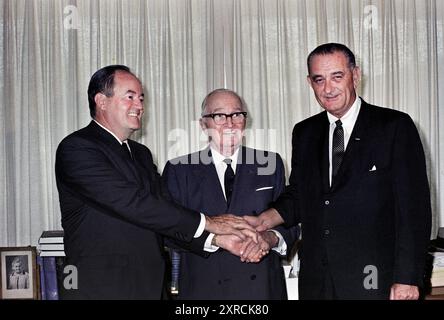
{"x":324,"y":153}
{"x":353,"y":154}
{"x":212,"y":188}
{"x":112,"y":147}
{"x":245,"y":173}
{"x":140,"y":164}
{"x":206,"y":175}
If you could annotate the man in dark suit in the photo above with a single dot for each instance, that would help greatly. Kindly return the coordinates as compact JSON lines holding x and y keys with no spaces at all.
{"x":359,"y":187}
{"x":199,"y":181}
{"x":112,"y":204}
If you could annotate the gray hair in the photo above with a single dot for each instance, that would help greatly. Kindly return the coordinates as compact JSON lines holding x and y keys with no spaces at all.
{"x":222,"y":90}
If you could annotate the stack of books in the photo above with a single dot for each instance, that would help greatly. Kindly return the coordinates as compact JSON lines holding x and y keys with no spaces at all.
{"x":51,"y":244}
{"x":436,"y":250}
{"x":437,"y":276}
{"x":51,"y":261}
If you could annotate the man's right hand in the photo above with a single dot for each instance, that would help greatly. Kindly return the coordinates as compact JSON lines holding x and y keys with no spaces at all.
{"x":235,"y":245}
{"x":230,"y":224}
{"x":254,"y":252}
{"x":266,"y":220}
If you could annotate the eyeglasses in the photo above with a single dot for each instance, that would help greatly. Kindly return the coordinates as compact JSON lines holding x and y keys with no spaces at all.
{"x":221,"y":118}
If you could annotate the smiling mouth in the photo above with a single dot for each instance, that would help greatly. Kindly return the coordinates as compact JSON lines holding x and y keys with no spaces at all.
{"x":134,"y":114}
{"x":229,"y":133}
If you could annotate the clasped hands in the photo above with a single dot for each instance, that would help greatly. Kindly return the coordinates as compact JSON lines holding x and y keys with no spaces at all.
{"x":245,"y":237}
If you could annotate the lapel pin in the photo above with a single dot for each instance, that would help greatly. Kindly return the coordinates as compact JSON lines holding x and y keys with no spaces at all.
{"x":357,"y":139}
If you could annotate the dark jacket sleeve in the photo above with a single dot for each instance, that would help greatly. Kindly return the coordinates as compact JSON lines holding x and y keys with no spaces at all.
{"x":290,"y":234}
{"x":412,"y":195}
{"x":170,"y":186}
{"x":286,"y":204}
{"x":87,"y":171}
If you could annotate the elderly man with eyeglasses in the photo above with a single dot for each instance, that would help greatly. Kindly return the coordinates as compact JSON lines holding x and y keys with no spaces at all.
{"x":228,"y":177}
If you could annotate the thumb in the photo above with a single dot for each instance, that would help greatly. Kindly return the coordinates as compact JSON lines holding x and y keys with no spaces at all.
{"x":253,"y":221}
{"x":392,"y":293}
{"x":261,"y":228}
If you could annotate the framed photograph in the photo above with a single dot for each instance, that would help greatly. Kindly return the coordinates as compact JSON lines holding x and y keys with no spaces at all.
{"x":18,"y":273}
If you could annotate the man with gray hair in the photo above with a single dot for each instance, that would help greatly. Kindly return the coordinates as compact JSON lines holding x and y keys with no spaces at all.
{"x":113,"y":208}
{"x":227,"y":177}
{"x":359,"y":188}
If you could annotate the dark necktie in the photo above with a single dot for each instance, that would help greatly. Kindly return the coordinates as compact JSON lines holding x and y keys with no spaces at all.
{"x":228,"y":180}
{"x":126,"y":151}
{"x":338,"y":148}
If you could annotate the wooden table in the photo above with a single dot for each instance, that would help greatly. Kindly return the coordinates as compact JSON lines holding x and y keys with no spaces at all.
{"x":437,"y":293}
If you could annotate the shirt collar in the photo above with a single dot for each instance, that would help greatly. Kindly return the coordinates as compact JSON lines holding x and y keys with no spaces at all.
{"x":120,"y":142}
{"x":351,"y":115}
{"x":218,"y":158}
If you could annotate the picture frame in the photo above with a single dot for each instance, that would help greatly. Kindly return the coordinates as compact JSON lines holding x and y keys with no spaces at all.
{"x":18,"y":273}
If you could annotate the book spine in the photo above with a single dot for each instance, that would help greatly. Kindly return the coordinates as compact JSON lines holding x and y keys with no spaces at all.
{"x":42,"y":278}
{"x":59,"y":253}
{"x":60,"y":264}
{"x":51,"y":246}
{"x":52,"y":292}
{"x":175,"y":271}
{"x":50,"y":240}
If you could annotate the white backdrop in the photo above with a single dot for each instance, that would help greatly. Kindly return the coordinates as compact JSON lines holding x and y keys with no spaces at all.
{"x":181,"y":50}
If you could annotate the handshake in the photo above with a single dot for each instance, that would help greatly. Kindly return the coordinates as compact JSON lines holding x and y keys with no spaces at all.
{"x":247,"y":237}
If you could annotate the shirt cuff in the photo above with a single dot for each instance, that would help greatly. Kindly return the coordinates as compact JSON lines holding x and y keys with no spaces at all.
{"x":201,"y":227}
{"x":281,"y":247}
{"x":208,"y":247}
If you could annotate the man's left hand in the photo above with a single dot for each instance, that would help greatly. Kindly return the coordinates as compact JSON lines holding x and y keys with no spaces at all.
{"x":404,"y":292}
{"x":228,"y":224}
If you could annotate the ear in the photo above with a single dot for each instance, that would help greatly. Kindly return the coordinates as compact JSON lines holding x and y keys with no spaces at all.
{"x":100,"y":100}
{"x":356,"y":76}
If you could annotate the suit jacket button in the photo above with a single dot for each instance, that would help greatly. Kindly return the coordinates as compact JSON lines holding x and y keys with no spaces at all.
{"x":327,"y":202}
{"x":253,"y":277}
{"x":326,"y":232}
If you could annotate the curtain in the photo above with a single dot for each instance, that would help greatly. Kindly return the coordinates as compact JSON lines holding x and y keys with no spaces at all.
{"x":181,"y":50}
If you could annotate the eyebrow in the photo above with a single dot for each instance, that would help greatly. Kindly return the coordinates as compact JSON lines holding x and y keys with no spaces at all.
{"x":315,"y":76}
{"x":336,"y":73}
{"x":221,"y":110}
{"x":134,"y":92}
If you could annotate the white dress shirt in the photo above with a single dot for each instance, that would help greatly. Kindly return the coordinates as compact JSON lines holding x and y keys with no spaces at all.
{"x":348,"y":123}
{"x":221,"y":166}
